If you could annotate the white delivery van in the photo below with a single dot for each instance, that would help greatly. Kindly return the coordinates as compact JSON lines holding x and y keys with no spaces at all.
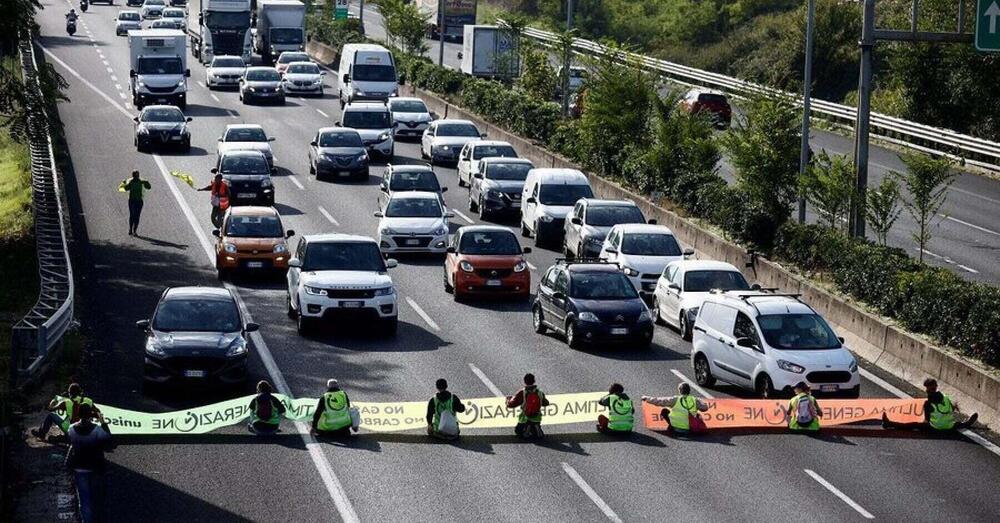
{"x":367,"y":72}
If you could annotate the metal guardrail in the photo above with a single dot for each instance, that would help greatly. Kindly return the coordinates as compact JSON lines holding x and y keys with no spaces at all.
{"x":932,"y":140}
{"x":35,"y":335}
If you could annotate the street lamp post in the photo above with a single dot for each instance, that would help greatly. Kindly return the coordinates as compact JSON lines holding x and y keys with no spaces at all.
{"x":441,"y":33}
{"x":806,"y":102}
{"x":566,"y":59}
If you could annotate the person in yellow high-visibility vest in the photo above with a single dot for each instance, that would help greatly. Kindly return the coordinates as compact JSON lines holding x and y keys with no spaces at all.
{"x":803,"y":410}
{"x":332,"y":415}
{"x":939,"y":413}
{"x":69,"y":404}
{"x":678,"y":410}
{"x":621,"y":413}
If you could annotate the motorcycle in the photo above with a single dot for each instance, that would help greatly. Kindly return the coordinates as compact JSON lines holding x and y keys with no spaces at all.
{"x":84,"y":4}
{"x":71,"y":26}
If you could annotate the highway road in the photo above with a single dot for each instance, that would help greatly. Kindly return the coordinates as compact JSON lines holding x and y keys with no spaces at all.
{"x":480,"y":347}
{"x":966,"y":239}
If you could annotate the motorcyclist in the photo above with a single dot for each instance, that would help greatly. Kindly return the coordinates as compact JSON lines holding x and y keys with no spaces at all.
{"x":83,"y":5}
{"x":71,"y":16}
{"x":219,"y":190}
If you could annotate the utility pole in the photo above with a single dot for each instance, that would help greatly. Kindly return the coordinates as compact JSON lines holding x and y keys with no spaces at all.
{"x":441,"y":33}
{"x":806,"y":102}
{"x":361,"y":17}
{"x":567,"y":54}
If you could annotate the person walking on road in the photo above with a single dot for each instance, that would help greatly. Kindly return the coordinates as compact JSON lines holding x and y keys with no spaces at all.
{"x":265,"y":411}
{"x":136,"y":188}
{"x":88,"y":442}
{"x":441,"y":410}
{"x":219,"y":193}
{"x":532,"y":402}
{"x":69,"y":405}
{"x":332,"y":416}
{"x":803,"y":410}
{"x":621,"y":412}
{"x":681,"y":411}
{"x":939,"y":413}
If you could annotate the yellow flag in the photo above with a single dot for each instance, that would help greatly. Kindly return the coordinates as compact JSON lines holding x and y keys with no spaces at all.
{"x":121,"y":186}
{"x":184,"y":177}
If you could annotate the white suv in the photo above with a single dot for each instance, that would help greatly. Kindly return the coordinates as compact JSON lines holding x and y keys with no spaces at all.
{"x":333,"y":275}
{"x":684,"y":286}
{"x":768,"y":343}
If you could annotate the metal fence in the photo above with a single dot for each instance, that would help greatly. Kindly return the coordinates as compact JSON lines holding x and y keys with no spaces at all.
{"x":932,"y":140}
{"x":35,"y":335}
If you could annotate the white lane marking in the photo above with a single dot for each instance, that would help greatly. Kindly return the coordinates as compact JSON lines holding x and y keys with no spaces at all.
{"x":462,"y":216}
{"x":232,"y":114}
{"x":121,"y":94}
{"x":202,"y":84}
{"x":573,"y":475}
{"x":296,"y":182}
{"x":118,"y":87}
{"x":530,"y":266}
{"x":693,"y":385}
{"x":967,"y":224}
{"x":422,"y":314}
{"x":114,"y":79}
{"x":843,"y":497}
{"x":970,"y":193}
{"x":486,"y":381}
{"x":329,"y":216}
{"x":322,"y":113}
{"x":110,"y":70}
{"x":899,"y":393}
{"x":216,"y":98}
{"x":94,"y":88}
{"x":106,"y":63}
{"x":947,"y":260}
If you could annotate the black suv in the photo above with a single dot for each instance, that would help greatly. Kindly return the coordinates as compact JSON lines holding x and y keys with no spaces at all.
{"x":591,"y":303}
{"x":249,"y":177}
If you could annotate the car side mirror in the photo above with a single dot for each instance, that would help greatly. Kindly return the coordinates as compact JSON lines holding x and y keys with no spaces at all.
{"x":530,"y":199}
{"x":295,"y":262}
{"x":346,"y":78}
{"x":755,"y":287}
{"x":322,"y":73}
{"x":482,"y":135}
{"x":131,"y":73}
{"x":251,"y":327}
{"x":395,"y":124}
{"x":219,"y":139}
{"x":745,"y":342}
{"x":384,"y":188}
{"x":558,"y":296}
{"x":478,"y":176}
{"x":576,"y":221}
{"x":337,"y":123}
{"x":449,"y":215}
{"x":216,"y":232}
{"x":142,"y":324}
{"x":611,"y":250}
{"x":526,"y":250}
{"x":136,"y":119}
{"x":688,"y":252}
{"x":840,"y":339}
{"x":450,"y":250}
{"x":313,"y":143}
{"x":214,"y":170}
{"x":189,"y":119}
{"x":674,"y":286}
{"x":289,"y":233}
{"x":444,"y":189}
{"x":274,"y":170}
{"x":271,"y":139}
{"x":651,"y":221}
{"x":377,"y":214}
{"x":391,"y":263}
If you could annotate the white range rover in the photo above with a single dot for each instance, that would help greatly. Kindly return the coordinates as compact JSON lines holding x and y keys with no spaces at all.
{"x":341,"y":275}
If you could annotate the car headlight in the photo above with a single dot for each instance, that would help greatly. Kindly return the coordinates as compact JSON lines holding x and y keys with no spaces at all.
{"x":383,"y":137}
{"x":644,"y":317}
{"x":545,"y":218}
{"x":362,"y":157}
{"x":315,"y":291}
{"x":280,"y":248}
{"x":153,"y":348}
{"x":854,"y":366}
{"x":385,"y":291}
{"x":791,"y":367}
{"x":629,"y":271}
{"x":143,"y":130}
{"x":318,"y":81}
{"x":180,"y":83}
{"x":440,"y":231}
{"x":266,"y":182}
{"x":466,"y":266}
{"x":230,"y":248}
{"x":587,"y":316}
{"x":358,"y":91}
{"x":521,"y":266}
{"x":388,"y":231}
{"x":494,"y":195}
{"x":444,"y":147}
{"x":237,"y":348}
{"x":142,"y":84}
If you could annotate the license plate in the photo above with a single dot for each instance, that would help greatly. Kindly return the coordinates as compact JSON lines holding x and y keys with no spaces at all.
{"x":619,"y":331}
{"x":344,"y":173}
{"x":194,"y":374}
{"x":828,"y":388}
{"x":255,"y":264}
{"x":352,"y":304}
{"x":493,"y":283}
{"x":246,"y":195}
{"x":175,"y":138}
{"x":161,"y":100}
{"x":413,"y":242}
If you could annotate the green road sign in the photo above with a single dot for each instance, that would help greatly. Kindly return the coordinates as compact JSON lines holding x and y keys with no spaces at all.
{"x":988,"y":25}
{"x":340,"y":10}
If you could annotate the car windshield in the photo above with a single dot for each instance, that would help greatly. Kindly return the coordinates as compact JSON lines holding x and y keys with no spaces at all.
{"x":197,"y":315}
{"x":711,"y":98}
{"x":704,"y":281}
{"x":303,"y":69}
{"x":286,"y":35}
{"x":162,"y":115}
{"x":650,"y":244}
{"x":606,"y":216}
{"x":340,"y":139}
{"x":413,"y":208}
{"x":129,"y":17}
{"x":797,"y":332}
{"x":263,"y":75}
{"x":374,"y":73}
{"x":163,"y":23}
{"x":559,"y":194}
{"x":287,"y":58}
{"x":414,"y":181}
{"x":407,"y":106}
{"x":489,"y":242}
{"x":343,"y":256}
{"x":228,"y":62}
{"x":160,"y":65}
{"x":486,"y":151}
{"x":244,"y":165}
{"x":222,"y":19}
{"x":367,"y":119}
{"x":457,"y":129}
{"x":154,"y":3}
{"x":507,"y":171}
{"x":246,"y":134}
{"x":254,"y":227}
{"x":601,"y":286}
{"x":173,"y":13}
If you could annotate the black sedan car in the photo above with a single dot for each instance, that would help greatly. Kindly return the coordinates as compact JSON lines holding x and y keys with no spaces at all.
{"x":591,"y":303}
{"x":196,"y":334}
{"x":249,"y":177}
{"x":161,"y":126}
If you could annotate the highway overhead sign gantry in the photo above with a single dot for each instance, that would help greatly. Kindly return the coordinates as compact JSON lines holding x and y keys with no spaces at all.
{"x":988,"y":25}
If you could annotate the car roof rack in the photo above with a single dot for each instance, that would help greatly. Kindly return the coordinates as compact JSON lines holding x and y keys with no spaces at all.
{"x":767,"y":293}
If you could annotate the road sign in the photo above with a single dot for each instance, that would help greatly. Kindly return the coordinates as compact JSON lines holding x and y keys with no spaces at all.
{"x":340,"y":10}
{"x":988,"y":25}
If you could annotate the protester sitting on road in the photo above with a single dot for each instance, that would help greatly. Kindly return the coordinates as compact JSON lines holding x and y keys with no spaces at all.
{"x":265,"y":411}
{"x":532,"y":401}
{"x":87,"y":444}
{"x":680,"y":411}
{"x":803,"y":410}
{"x":332,"y":416}
{"x":621,"y":412}
{"x":939,"y":413}
{"x":69,"y":404}
{"x":441,"y":410}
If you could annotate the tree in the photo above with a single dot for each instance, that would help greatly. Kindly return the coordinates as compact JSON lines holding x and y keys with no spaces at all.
{"x":927,"y":181}
{"x":829,"y":185}
{"x":538,"y":78}
{"x":883,"y":208}
{"x":405,"y":23}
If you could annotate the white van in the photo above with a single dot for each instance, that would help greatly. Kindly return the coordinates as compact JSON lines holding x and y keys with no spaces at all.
{"x":367,"y":72}
{"x":548,"y":196}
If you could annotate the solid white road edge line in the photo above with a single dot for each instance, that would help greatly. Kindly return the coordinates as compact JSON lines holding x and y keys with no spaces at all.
{"x":422,"y":314}
{"x":693,"y":385}
{"x":836,"y":492}
{"x":573,"y":475}
{"x":329,"y":216}
{"x":486,"y":381}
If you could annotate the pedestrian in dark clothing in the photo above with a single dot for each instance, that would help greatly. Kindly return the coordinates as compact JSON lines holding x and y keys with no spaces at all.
{"x":443,"y":401}
{"x":532,"y":402}
{"x":265,"y":411}
{"x":88,"y":442}
{"x":332,"y":416}
{"x":136,"y":188}
{"x":939,"y":413}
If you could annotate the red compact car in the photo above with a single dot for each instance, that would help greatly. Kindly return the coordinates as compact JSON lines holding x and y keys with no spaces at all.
{"x":486,"y":259}
{"x":713,"y":103}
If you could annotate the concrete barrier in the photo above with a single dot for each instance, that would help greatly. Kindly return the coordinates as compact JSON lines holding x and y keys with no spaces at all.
{"x":875,"y":339}
{"x":323,"y":54}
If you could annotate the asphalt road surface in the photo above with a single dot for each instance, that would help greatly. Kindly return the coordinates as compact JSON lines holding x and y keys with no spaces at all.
{"x":576,"y":475}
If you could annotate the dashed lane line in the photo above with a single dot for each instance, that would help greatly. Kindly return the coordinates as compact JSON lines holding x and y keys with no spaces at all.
{"x":427,"y":319}
{"x":580,"y":482}
{"x":297,"y":183}
{"x":216,"y":98}
{"x":329,"y":216}
{"x":947,"y":260}
{"x":530,"y":265}
{"x":322,"y":113}
{"x":486,"y":381}
{"x":843,"y":497}
{"x":462,"y":216}
{"x":972,"y":225}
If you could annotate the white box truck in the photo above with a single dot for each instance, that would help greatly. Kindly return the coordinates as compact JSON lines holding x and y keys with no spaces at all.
{"x":158,"y":69}
{"x":489,"y":51}
{"x":457,"y":14}
{"x":281,"y":26}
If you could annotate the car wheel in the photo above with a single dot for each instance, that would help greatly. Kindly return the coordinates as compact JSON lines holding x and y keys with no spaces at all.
{"x":447,"y":285}
{"x":302,"y":323}
{"x":223,"y":274}
{"x":483,"y":213}
{"x":703,"y":371}
{"x":571,"y":338}
{"x":684,"y":327}
{"x":187,"y":146}
{"x":536,"y":319}
{"x":524,"y":231}
{"x":655,"y":312}
{"x":854,"y":393}
{"x":422,"y":155}
{"x":472,"y":204}
{"x":765,"y":387}
{"x":566,"y":252}
{"x":312,"y":168}
{"x":539,"y":240}
{"x":291,"y":310}
{"x":457,"y":295}
{"x":461,"y":182}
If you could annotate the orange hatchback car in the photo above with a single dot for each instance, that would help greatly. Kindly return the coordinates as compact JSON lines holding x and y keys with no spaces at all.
{"x":251,"y":239}
{"x":486,"y":260}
